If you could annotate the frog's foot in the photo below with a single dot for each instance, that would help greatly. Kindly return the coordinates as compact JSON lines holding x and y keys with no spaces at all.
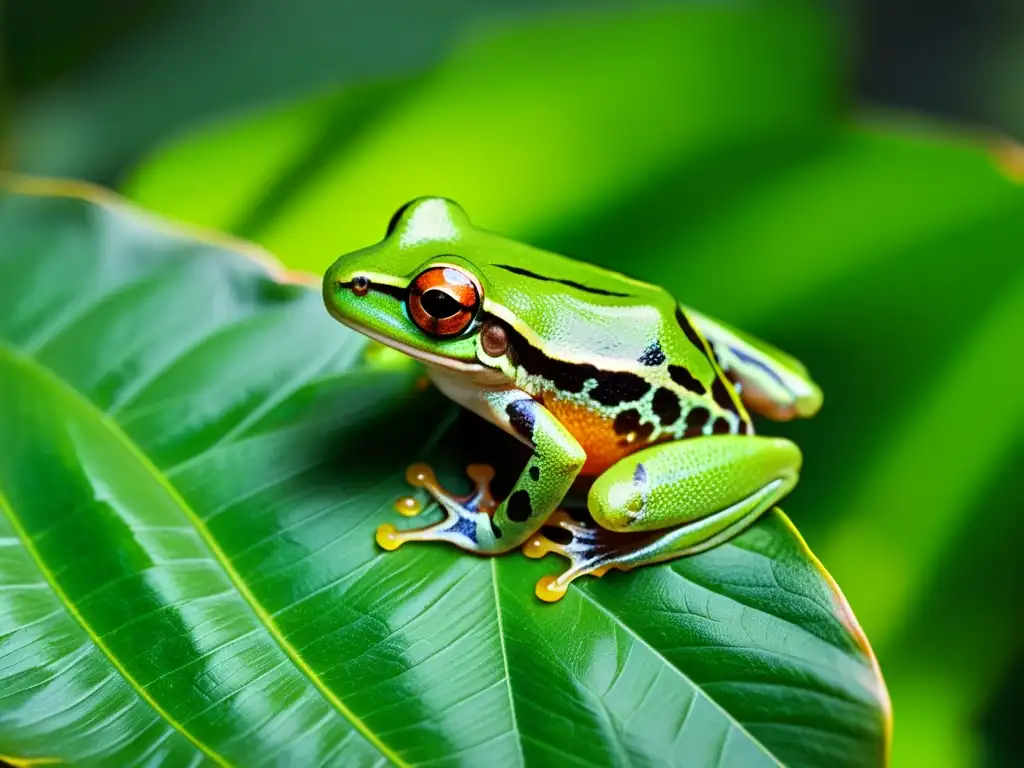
{"x":464,"y":515}
{"x":590,"y":549}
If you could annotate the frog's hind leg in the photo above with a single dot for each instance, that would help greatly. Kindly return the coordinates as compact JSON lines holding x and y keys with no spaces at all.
{"x":593,"y":551}
{"x":668,"y":501}
{"x":590,"y":549}
{"x":769,"y":381}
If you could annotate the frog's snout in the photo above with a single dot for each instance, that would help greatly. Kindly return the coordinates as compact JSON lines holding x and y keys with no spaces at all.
{"x":341,"y":287}
{"x":337,"y":283}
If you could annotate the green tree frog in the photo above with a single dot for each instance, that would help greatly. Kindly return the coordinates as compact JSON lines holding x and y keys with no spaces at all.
{"x":604,"y":377}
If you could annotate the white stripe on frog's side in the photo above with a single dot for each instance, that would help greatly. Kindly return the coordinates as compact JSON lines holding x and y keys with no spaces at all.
{"x":618,"y":352}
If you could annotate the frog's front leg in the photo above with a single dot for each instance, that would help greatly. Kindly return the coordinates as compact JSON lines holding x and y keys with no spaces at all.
{"x":667,"y":501}
{"x":473,"y":522}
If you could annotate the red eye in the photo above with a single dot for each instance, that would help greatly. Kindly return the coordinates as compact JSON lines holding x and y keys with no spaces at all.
{"x":443,"y":301}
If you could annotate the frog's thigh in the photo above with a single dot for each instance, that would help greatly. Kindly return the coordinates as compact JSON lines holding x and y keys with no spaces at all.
{"x":668,"y":501}
{"x":670,"y":484}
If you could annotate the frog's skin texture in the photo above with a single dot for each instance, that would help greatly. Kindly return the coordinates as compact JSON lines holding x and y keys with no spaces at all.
{"x":603,"y":376}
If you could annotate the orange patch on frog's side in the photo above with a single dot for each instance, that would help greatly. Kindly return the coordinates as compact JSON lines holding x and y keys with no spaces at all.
{"x":594,"y":433}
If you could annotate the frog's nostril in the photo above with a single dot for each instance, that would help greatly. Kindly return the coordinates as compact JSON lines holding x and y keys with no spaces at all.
{"x":360,"y":285}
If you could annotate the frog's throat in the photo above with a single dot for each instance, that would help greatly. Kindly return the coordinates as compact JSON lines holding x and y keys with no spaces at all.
{"x":419,"y":354}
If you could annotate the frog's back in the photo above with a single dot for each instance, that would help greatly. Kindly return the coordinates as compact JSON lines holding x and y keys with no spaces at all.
{"x":616,"y":360}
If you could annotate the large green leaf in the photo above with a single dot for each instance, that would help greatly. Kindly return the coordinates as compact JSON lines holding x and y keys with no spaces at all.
{"x":193,"y":458}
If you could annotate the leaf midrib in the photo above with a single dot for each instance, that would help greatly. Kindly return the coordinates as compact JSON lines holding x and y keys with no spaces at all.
{"x":47,"y":376}
{"x":698,"y":691}
{"x":504,"y":659}
{"x":91,"y":633}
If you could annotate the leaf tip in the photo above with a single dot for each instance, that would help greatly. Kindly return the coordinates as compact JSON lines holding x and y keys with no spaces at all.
{"x":847,"y":617}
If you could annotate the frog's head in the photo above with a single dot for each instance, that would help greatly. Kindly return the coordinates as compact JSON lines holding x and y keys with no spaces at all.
{"x":411,"y":291}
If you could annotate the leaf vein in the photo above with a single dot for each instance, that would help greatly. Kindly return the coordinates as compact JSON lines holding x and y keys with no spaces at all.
{"x":697,"y":689}
{"x":504,"y":661}
{"x":234,"y":577}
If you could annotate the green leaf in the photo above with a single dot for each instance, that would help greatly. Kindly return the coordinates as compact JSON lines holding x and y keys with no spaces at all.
{"x":193,"y":458}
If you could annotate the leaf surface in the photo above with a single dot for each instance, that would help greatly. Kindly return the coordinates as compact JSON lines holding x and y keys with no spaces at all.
{"x":193,"y":458}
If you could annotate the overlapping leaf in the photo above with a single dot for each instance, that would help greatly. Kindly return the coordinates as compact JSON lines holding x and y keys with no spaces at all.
{"x":193,"y":458}
{"x":207,"y":60}
{"x":528,"y":126}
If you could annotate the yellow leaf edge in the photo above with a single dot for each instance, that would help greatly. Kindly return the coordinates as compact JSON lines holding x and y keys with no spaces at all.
{"x":849,"y":620}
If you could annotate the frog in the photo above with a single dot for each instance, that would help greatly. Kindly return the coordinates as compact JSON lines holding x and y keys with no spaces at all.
{"x":610,"y":381}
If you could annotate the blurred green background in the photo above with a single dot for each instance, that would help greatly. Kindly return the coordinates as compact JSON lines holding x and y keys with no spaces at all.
{"x":838,"y":178}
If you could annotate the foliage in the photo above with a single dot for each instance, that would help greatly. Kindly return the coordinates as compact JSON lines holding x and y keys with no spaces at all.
{"x":706,"y":148}
{"x":194,"y":460}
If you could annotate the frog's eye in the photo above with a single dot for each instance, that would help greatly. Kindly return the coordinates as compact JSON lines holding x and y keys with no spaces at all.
{"x":443,"y":301}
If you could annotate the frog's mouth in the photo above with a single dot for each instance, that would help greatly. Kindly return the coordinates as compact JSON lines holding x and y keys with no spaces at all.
{"x":430,"y":358}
